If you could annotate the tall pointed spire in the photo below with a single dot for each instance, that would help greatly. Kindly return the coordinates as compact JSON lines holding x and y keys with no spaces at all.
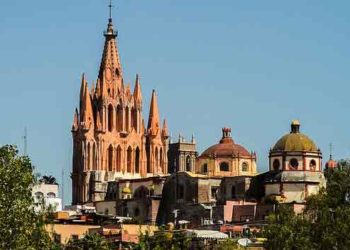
{"x":165,"y":132}
{"x":82,"y":90}
{"x":137,"y":91}
{"x":86,"y":113}
{"x":153,"y":120}
{"x":110,"y":67}
{"x":75,"y":125}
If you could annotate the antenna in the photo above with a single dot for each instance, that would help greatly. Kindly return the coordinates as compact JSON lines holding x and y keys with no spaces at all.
{"x":25,"y":140}
{"x":62,"y":188}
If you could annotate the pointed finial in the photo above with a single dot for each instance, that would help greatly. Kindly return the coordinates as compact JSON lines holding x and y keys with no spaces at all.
{"x":110,"y":31}
{"x":330,"y":151}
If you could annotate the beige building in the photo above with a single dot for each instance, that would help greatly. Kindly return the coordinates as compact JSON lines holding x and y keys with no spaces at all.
{"x":295,"y":164}
{"x":226,"y":159}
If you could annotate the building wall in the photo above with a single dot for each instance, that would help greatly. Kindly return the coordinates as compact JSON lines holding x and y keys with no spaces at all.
{"x":66,"y":231}
{"x":235,"y":166}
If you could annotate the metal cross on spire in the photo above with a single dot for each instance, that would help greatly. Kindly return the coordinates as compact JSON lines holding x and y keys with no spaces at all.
{"x":330,"y":151}
{"x":110,"y":9}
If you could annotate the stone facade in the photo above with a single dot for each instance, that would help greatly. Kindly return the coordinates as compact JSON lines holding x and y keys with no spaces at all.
{"x":199,"y":198}
{"x":110,"y":140}
{"x":182,"y":155}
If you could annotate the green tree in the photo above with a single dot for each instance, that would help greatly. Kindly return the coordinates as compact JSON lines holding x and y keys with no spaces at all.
{"x":89,"y":242}
{"x":164,"y":239}
{"x":325,"y":222}
{"x":20,"y":226}
{"x":287,"y":230}
{"x":228,"y":244}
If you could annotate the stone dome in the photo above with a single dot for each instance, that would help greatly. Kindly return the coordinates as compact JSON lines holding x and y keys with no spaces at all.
{"x":295,"y":141}
{"x":226,"y":147}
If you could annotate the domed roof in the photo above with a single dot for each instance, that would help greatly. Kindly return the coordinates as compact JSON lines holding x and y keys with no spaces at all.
{"x":226,"y":147}
{"x":331,"y":163}
{"x":295,"y":141}
{"x":126,"y":190}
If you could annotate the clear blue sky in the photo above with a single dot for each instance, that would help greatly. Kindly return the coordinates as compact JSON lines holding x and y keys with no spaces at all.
{"x":250,"y":65}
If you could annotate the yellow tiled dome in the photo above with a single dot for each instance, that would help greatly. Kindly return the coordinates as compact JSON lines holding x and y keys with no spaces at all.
{"x":126,"y":190}
{"x":295,"y":141}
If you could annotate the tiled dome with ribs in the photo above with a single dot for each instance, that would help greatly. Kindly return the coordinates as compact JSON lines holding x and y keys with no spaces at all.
{"x":226,"y":147}
{"x":295,"y":141}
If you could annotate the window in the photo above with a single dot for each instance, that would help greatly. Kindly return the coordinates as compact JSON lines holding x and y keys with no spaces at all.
{"x":214,"y":192}
{"x":137,"y":212}
{"x":205,"y":168}
{"x":110,"y":158}
{"x":188,"y":164}
{"x":312,"y":165}
{"x":57,"y":238}
{"x":39,"y":196}
{"x":110,"y":118}
{"x":75,"y":237}
{"x":51,"y":195}
{"x":233,"y":192}
{"x":276,"y":164}
{"x":293,"y":163}
{"x":245,"y":166}
{"x":137,"y":160}
{"x":224,"y":166}
{"x":128,"y":158}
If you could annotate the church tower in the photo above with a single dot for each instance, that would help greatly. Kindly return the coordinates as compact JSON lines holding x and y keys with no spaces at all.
{"x":110,"y":141}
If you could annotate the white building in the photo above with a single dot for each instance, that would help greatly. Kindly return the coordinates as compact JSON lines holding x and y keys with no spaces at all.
{"x":47,"y":195}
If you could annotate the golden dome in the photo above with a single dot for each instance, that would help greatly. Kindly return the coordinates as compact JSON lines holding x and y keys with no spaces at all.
{"x":126,"y":190}
{"x":295,"y":141}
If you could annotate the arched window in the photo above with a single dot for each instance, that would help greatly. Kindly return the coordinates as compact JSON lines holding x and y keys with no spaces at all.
{"x":110,"y":158}
{"x":110,"y":118}
{"x":188,"y":163}
{"x":39,"y":196}
{"x":88,"y":167}
{"x":156,"y":160}
{"x":161,"y":158}
{"x":205,"y":168}
{"x":118,"y":159}
{"x":224,"y":167}
{"x":129,"y":158}
{"x":134,"y":118}
{"x":141,"y":192}
{"x":51,"y":195}
{"x":245,"y":167}
{"x":137,"y":160}
{"x":119,"y":118}
{"x":94,"y":161}
{"x":312,"y":165}
{"x":127,"y":119}
{"x":293,"y":163}
{"x":233,"y":192}
{"x":276,"y":164}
